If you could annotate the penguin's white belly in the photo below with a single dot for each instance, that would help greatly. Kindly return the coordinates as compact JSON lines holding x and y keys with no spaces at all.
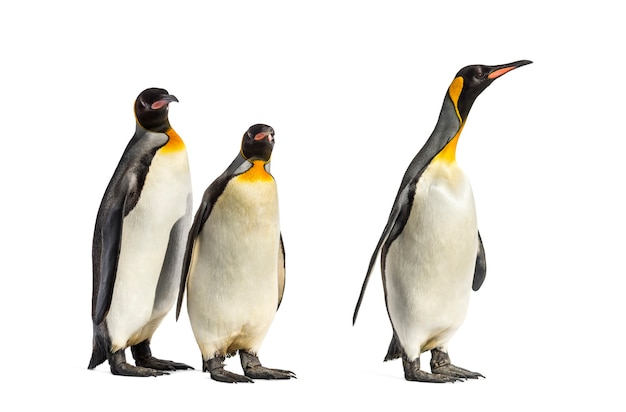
{"x":429,"y":268}
{"x":232,"y":288}
{"x":134,"y":314}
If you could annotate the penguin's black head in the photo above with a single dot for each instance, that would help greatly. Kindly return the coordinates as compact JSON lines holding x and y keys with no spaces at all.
{"x":151,"y":109}
{"x":258,"y":142}
{"x":470,"y":81}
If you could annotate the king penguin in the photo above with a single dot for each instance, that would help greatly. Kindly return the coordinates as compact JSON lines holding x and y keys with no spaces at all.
{"x":234,"y":265}
{"x":431,"y":251}
{"x":139,"y":241}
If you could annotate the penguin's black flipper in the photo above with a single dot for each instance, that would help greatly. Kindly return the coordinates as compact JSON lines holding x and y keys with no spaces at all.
{"x":480,"y":271}
{"x":204,"y":210}
{"x":119,"y":199}
{"x":211,"y":194}
{"x":109,"y":229}
{"x":281,"y":271}
{"x":392,"y":219}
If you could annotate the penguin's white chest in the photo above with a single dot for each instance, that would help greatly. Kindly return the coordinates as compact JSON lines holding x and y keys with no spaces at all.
{"x":429,"y":268}
{"x":233,"y":281}
{"x":146,"y":236}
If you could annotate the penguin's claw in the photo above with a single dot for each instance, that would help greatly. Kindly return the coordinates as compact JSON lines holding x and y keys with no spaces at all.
{"x":441,"y":374}
{"x":126,"y":369}
{"x":421,"y":376}
{"x":261,"y":372}
{"x":252,"y":368}
{"x":160,"y":364}
{"x":119,"y":366}
{"x":215,"y":366}
{"x":455,"y":371}
{"x":412,"y":372}
{"x":440,"y":364}
{"x":222,"y":375}
{"x":143,"y":358}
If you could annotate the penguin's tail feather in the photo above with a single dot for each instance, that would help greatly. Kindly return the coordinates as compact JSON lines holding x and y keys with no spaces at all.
{"x":98,"y":356}
{"x":395,"y":351}
{"x":100,"y":348}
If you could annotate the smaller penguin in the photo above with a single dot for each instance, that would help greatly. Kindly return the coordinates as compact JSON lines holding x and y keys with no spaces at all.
{"x":234,"y":265}
{"x":139,"y":240}
{"x":432,"y":254}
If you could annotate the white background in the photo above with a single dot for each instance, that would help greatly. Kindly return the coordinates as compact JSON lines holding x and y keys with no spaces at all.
{"x":353,"y":89}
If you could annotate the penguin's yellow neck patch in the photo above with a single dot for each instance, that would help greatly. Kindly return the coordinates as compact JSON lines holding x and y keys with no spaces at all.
{"x":454,"y":91}
{"x":256,"y":173}
{"x":448,"y":153}
{"x":174,"y":144}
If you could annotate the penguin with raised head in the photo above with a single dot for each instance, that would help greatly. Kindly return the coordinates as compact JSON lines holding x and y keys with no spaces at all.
{"x":234,"y":265}
{"x":431,"y":251}
{"x":139,"y":241}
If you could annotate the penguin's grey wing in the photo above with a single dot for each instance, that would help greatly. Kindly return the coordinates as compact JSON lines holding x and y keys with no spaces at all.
{"x":281,"y":271}
{"x":480,"y":271}
{"x":398,"y":211}
{"x":392,"y":218}
{"x":211,"y":194}
{"x":120,"y":197}
{"x":106,"y":250}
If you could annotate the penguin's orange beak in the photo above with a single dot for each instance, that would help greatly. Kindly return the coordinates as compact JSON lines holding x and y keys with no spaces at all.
{"x":499,"y":72}
{"x":159,"y":104}
{"x":505,"y":68}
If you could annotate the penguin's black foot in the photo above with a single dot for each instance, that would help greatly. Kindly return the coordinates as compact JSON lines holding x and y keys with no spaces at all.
{"x":252,"y":368}
{"x":412,"y":372}
{"x":160,"y":364}
{"x":126,"y":369}
{"x":457,"y":372}
{"x":119,"y":366}
{"x":143,"y":358}
{"x":440,"y":364}
{"x":215,"y":367}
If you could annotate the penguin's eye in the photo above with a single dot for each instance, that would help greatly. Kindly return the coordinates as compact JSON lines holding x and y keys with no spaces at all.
{"x":480,"y":75}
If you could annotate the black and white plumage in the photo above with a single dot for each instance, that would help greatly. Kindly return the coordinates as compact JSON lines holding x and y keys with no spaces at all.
{"x":139,"y":240}
{"x":234,"y":267}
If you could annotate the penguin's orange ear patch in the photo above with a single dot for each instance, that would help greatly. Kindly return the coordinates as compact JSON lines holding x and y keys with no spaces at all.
{"x":159,"y":104}
{"x":499,"y":72}
{"x":454,"y":91}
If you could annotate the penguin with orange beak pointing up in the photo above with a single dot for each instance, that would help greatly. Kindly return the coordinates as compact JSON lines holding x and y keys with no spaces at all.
{"x":432,"y":255}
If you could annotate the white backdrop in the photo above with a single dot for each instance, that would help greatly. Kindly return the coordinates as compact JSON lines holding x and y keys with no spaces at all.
{"x":353,"y":89}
